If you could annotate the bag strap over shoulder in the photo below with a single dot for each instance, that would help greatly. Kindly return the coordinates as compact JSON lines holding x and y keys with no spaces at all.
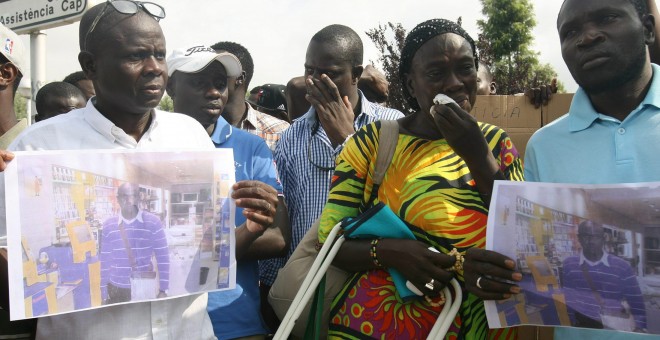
{"x":122,"y":232}
{"x":590,"y":282}
{"x":388,"y":139}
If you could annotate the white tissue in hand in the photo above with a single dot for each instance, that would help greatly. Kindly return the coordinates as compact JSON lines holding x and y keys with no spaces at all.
{"x":442,"y":99}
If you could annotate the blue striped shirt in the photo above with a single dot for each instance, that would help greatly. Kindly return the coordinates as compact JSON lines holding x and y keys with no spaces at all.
{"x":146,"y":237}
{"x":303,"y":155}
{"x":612,"y":282}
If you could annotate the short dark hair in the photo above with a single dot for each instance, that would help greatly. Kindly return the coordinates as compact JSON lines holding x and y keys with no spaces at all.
{"x":75,"y":77}
{"x":55,"y":89}
{"x":588,"y":224}
{"x":486,"y":68}
{"x":108,"y":19}
{"x":640,"y":6}
{"x":345,"y":37}
{"x":86,"y":24}
{"x":241,"y":53}
{"x":19,"y":75}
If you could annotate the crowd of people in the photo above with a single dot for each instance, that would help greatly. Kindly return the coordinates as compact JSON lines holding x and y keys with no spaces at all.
{"x":311,"y":156}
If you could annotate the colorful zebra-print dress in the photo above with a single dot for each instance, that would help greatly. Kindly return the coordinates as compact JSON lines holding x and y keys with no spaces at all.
{"x":431,"y":189}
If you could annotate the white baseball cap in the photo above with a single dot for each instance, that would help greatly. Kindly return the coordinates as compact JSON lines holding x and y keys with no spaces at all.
{"x":12,"y":48}
{"x":196,"y":58}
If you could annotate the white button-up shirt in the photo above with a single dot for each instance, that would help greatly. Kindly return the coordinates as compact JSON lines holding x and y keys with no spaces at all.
{"x":87,"y":128}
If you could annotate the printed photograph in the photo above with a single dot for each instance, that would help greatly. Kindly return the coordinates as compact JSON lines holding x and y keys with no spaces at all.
{"x":590,"y":255}
{"x":107,"y":227}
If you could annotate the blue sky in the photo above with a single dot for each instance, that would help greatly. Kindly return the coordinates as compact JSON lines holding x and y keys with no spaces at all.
{"x":277,"y":32}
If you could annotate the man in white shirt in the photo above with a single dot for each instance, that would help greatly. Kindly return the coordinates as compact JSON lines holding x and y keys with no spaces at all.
{"x":123,"y":53}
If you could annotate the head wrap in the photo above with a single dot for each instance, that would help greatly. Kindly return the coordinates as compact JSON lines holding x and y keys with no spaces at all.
{"x":418,"y":37}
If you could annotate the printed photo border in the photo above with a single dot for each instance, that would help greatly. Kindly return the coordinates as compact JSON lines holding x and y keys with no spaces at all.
{"x":71,"y":247}
{"x":574,"y":274}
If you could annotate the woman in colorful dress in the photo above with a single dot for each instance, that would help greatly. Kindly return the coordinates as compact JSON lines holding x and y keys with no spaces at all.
{"x":439,"y":183}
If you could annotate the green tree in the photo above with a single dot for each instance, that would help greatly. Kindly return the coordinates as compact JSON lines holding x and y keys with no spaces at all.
{"x":166,"y":104}
{"x":389,"y":42}
{"x":20,"y":107}
{"x":505,"y":45}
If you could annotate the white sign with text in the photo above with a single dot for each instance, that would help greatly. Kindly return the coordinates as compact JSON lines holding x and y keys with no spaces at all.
{"x":24,"y":16}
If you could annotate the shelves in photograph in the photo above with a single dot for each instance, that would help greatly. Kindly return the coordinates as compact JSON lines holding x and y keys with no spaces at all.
{"x":527,"y":215}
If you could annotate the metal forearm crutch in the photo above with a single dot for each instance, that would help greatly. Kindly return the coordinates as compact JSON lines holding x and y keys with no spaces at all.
{"x":321,"y":265}
{"x":446,"y":317}
{"x":307,"y":289}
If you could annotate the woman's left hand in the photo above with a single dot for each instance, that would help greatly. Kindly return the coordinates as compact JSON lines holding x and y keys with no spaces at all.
{"x":485,"y":272}
{"x":460,"y":130}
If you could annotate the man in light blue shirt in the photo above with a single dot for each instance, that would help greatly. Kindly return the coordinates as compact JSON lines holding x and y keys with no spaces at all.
{"x":610,"y":134}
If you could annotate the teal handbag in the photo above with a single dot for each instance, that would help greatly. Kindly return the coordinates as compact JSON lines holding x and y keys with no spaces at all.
{"x":381,"y":222}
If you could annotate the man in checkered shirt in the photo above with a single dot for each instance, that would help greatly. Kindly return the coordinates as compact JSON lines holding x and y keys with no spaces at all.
{"x":237,"y":111}
{"x":305,"y":155}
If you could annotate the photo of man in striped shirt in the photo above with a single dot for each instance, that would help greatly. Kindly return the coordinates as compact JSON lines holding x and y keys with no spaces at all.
{"x":600,"y":287}
{"x":128,"y":243}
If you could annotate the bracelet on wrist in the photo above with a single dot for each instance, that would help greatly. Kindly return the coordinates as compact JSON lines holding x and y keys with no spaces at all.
{"x":460,"y":259}
{"x":374,"y":254}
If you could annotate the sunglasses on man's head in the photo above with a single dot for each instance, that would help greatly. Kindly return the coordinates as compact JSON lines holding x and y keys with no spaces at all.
{"x":128,"y":7}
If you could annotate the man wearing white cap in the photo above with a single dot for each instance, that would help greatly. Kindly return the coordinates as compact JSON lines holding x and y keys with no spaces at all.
{"x":198,"y":87}
{"x":195,"y":67}
{"x":12,"y":68}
